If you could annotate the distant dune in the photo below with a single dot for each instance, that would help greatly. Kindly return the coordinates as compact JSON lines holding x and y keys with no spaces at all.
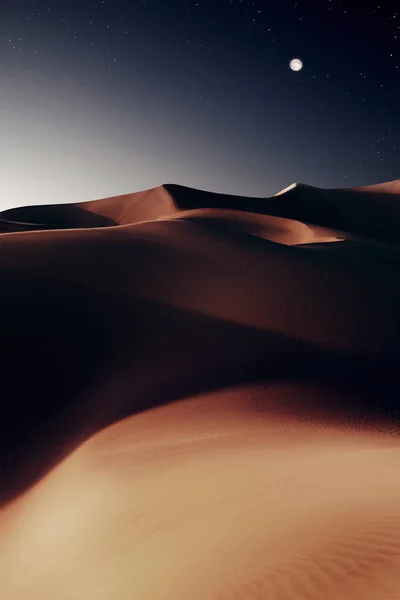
{"x":200,"y":396}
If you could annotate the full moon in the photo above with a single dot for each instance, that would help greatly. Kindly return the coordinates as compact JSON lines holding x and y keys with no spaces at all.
{"x":296,"y":64}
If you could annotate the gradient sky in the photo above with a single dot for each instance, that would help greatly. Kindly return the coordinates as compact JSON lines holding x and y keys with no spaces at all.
{"x":100,"y":98}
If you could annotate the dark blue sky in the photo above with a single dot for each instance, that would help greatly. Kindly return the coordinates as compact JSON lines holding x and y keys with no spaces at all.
{"x":109,"y":97}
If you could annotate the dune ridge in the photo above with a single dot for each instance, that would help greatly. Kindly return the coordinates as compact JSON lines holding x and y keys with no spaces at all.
{"x":200,"y":396}
{"x":328,"y":208}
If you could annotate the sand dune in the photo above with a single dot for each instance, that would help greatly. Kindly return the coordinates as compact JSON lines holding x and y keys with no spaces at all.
{"x":370,"y":211}
{"x":200,"y":396}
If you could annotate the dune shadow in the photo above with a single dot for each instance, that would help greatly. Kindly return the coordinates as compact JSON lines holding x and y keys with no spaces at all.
{"x":75,"y":360}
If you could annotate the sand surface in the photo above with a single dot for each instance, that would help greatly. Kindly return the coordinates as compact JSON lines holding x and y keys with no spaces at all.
{"x":200,"y":397}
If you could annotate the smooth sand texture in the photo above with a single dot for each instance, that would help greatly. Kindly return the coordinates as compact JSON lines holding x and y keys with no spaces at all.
{"x":200,"y":397}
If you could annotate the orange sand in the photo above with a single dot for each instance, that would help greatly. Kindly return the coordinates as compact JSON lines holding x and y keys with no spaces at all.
{"x":200,"y":397}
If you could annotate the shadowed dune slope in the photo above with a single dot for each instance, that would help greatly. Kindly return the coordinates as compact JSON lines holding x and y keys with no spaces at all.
{"x":200,"y":396}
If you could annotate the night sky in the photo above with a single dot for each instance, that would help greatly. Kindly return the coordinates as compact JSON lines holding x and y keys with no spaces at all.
{"x":107,"y":97}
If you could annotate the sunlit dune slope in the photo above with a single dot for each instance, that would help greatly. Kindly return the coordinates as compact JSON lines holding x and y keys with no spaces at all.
{"x":237,"y":494}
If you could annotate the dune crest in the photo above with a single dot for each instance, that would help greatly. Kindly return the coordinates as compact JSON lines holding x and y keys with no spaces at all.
{"x":327,"y":208}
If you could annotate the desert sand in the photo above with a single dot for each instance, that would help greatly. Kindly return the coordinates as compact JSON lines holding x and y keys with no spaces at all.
{"x":200,"y":396}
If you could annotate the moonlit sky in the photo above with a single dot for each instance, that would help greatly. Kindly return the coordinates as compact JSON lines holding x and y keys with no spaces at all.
{"x":101,"y":98}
